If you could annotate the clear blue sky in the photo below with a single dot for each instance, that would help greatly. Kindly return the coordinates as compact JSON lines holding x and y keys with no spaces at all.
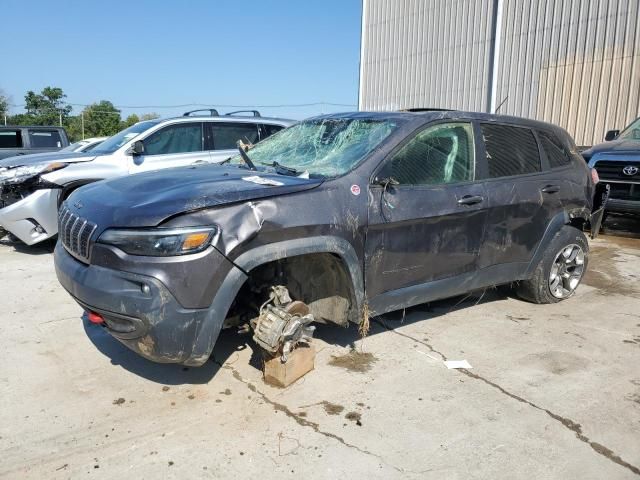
{"x":245,"y":52}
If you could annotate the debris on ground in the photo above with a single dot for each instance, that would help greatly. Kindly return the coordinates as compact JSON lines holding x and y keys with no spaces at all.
{"x":457,"y":364}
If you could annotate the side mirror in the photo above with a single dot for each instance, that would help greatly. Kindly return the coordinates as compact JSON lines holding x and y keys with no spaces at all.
{"x":136,"y":149}
{"x":611,"y":135}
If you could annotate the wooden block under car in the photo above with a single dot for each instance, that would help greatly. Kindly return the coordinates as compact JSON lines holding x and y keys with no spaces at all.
{"x":300,"y":362}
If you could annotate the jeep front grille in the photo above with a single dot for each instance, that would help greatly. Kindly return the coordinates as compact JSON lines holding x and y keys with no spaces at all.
{"x":75,"y":232}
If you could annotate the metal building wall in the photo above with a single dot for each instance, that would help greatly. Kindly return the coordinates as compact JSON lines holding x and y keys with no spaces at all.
{"x":425,"y":53}
{"x":575,"y":63}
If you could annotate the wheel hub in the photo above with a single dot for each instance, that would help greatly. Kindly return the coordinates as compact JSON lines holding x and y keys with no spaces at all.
{"x":566,"y":271}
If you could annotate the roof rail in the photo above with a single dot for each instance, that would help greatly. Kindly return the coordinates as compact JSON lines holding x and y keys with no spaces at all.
{"x":212,"y":112}
{"x":427,"y":109}
{"x":255,"y":113}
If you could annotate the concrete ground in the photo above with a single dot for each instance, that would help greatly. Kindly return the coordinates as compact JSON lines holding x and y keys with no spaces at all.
{"x":554,"y":391}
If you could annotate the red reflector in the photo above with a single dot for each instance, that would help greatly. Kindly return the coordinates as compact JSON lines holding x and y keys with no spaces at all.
{"x":594,"y":176}
{"x":95,"y":318}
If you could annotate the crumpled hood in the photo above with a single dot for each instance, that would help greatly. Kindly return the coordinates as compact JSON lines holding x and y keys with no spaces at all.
{"x":50,"y":157}
{"x":147,"y":199}
{"x":615,"y":147}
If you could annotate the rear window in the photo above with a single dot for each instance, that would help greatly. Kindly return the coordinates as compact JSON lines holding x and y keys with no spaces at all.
{"x":510,"y":150}
{"x":45,"y":139}
{"x":554,"y":150}
{"x":10,"y":139}
{"x":268,"y":130}
{"x":226,"y":135}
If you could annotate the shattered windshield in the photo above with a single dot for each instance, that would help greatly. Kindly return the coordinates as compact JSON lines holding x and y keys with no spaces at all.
{"x":325,"y":147}
{"x":112,"y":144}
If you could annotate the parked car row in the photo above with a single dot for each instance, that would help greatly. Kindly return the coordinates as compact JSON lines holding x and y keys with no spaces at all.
{"x":333,"y":219}
{"x":32,"y":187}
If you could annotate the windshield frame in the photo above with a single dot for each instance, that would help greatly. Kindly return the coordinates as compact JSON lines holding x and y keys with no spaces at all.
{"x":139,"y":128}
{"x":394,"y":125}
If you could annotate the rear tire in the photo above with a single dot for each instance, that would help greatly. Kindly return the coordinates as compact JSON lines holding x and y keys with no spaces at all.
{"x":561,"y":269}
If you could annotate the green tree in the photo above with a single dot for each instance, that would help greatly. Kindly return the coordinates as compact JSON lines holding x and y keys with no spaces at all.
{"x":73,"y":126}
{"x":4,"y":104}
{"x":149,"y":116}
{"x":101,"y":119}
{"x":130,"y":120}
{"x":21,"y":119}
{"x":47,"y":107}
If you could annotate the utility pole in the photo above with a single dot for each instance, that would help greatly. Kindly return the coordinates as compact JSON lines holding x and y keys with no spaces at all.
{"x":60,"y":117}
{"x":82,"y":121}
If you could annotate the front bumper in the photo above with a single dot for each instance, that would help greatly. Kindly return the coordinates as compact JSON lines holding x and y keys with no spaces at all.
{"x":616,"y":205}
{"x":34,"y":218}
{"x":143,"y":314}
{"x":623,"y":197}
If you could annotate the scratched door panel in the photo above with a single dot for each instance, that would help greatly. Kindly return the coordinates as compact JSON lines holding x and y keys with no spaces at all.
{"x":418,"y":234}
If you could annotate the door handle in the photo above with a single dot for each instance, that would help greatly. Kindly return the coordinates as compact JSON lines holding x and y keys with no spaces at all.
{"x":470,"y":200}
{"x":550,"y":189}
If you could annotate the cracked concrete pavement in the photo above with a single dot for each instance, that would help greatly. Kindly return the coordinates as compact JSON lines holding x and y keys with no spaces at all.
{"x":554,"y":391}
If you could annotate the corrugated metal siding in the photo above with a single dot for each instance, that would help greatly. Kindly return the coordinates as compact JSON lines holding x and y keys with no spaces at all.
{"x":575,"y":63}
{"x":418,"y":53}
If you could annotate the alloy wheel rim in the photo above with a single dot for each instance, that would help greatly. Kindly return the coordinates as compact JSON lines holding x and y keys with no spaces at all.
{"x":566,"y":271}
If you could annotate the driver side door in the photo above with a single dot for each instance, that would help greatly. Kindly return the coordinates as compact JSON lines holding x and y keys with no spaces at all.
{"x":427,"y":215}
{"x":174,"y":145}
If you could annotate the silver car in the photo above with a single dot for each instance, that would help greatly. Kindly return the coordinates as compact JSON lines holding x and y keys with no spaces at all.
{"x":33,"y":186}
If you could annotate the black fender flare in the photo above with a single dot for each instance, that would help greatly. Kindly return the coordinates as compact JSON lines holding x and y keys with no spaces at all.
{"x":255,"y":257}
{"x":338,"y":246}
{"x":553,"y":227}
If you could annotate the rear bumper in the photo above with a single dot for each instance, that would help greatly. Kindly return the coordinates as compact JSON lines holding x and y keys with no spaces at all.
{"x":143,"y":314}
{"x":34,"y":218}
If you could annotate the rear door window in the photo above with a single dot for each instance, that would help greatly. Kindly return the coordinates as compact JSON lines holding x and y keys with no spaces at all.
{"x":510,"y":150}
{"x":267,"y":130}
{"x":10,"y":139}
{"x":226,"y":135}
{"x":440,"y":154}
{"x":177,"y":138}
{"x":45,"y":139}
{"x":556,"y":153}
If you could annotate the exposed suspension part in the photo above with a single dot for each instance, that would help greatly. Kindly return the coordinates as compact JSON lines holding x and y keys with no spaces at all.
{"x":282,"y":323}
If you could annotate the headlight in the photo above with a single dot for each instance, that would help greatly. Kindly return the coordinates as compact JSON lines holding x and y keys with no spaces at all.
{"x":19,"y":174}
{"x":160,"y":242}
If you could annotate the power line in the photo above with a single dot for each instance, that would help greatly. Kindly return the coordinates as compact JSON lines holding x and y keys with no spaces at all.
{"x":218,"y":105}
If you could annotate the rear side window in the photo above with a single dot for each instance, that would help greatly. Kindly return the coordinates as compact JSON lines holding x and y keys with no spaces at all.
{"x":268,"y":130}
{"x":178,"y":138}
{"x":226,"y":135}
{"x":437,"y":155}
{"x":10,"y":139}
{"x":45,"y":139}
{"x":510,"y":150}
{"x":553,"y":148}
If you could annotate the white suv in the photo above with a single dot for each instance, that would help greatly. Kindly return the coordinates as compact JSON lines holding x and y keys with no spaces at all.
{"x":33,"y":186}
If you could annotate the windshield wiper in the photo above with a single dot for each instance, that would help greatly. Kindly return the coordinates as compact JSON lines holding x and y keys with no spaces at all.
{"x":245,"y":157}
{"x":281,"y":168}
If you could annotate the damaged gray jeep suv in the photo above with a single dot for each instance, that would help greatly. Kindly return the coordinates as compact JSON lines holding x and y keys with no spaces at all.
{"x":334,"y":218}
